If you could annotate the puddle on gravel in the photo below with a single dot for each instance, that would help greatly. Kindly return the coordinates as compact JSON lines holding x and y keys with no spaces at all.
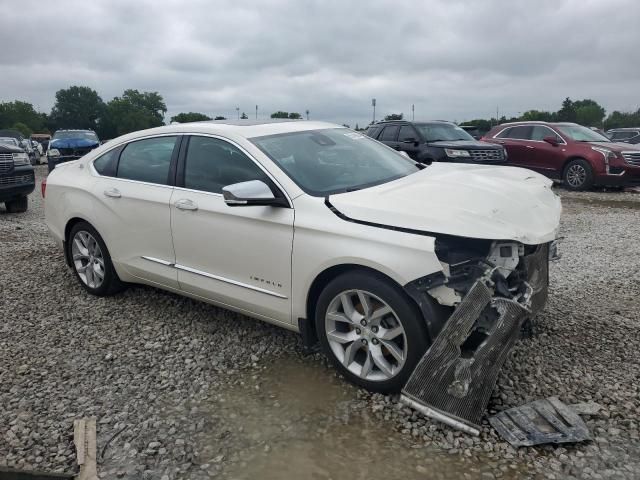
{"x":304,"y":422}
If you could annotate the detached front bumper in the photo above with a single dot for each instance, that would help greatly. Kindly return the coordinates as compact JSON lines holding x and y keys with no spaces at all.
{"x":454,"y":380}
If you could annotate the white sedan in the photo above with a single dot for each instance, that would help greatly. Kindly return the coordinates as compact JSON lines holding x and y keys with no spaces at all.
{"x":306,"y":225}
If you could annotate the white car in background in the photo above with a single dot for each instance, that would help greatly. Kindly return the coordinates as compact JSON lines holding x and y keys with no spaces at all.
{"x":306,"y":225}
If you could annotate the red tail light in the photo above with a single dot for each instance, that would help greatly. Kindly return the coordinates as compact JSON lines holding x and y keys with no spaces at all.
{"x":43,"y":187}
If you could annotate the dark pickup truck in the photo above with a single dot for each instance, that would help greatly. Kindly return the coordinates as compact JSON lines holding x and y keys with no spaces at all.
{"x":17,"y":178}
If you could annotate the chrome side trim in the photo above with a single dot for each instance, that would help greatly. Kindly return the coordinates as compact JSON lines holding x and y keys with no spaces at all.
{"x":228,"y":280}
{"x":158,"y":260}
{"x":214,"y":277}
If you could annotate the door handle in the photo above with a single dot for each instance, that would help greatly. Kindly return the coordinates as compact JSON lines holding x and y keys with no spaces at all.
{"x":185,"y":204}
{"x":112,"y":193}
{"x":529,"y":146}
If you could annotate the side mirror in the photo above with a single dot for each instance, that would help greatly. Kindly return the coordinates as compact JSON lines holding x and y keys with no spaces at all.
{"x":410,"y":140}
{"x":251,"y":193}
{"x":551,"y":141}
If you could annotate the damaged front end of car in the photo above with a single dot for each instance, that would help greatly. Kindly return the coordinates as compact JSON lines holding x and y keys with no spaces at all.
{"x":494,"y":287}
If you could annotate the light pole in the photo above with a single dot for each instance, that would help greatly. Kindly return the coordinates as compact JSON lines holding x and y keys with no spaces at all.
{"x":256,"y":112}
{"x":413,"y":112}
{"x":307,"y":112}
{"x":238,"y":111}
{"x":373,"y":104}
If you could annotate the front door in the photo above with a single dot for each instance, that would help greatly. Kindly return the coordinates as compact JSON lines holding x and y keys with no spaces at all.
{"x":408,"y":141}
{"x":132,"y":209}
{"x":547,"y":159}
{"x":238,"y":257}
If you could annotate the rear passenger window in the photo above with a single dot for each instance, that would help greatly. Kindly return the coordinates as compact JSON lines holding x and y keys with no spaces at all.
{"x":106,"y":164}
{"x":147,"y":160}
{"x":522,"y":132}
{"x":389,"y":133}
{"x":212,"y":164}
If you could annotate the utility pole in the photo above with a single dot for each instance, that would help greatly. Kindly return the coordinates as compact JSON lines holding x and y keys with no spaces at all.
{"x":307,"y":112}
{"x":373,"y":104}
{"x":413,"y":112}
{"x":238,"y":111}
{"x":256,"y":112}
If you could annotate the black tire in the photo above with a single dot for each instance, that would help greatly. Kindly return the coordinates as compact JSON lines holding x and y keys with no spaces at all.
{"x":577,"y":175}
{"x":408,"y":314}
{"x":19,"y":205}
{"x":111,"y":283}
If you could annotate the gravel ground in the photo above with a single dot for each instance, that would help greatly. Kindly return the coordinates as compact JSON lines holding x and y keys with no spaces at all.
{"x":173,"y":382}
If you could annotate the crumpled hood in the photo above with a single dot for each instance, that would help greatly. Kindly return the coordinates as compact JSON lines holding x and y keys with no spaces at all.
{"x":73,"y":143}
{"x":476,"y":201}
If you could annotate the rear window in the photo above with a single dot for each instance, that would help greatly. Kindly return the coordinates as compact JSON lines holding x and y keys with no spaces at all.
{"x":390,"y":133}
{"x":147,"y":160}
{"x":373,"y":132}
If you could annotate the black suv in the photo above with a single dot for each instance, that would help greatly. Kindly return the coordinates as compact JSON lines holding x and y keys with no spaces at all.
{"x":17,"y":179}
{"x":626,"y":135}
{"x":436,"y":141}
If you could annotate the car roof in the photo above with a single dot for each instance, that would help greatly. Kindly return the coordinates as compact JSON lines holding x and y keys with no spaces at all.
{"x":420,"y":122}
{"x":538,"y":122}
{"x":236,"y":128}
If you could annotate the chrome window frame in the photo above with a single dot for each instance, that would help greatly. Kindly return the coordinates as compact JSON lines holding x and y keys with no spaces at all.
{"x":496,"y":136}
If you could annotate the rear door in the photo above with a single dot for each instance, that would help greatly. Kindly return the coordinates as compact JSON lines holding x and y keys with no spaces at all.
{"x":408,"y":141}
{"x":389,"y":136}
{"x":547,"y":159}
{"x":517,"y":143}
{"x":235,"y":256}
{"x":133,"y":190}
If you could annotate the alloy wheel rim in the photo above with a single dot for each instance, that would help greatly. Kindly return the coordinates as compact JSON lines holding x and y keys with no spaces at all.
{"x":88,"y":259}
{"x":576,"y":175}
{"x":365,"y":335}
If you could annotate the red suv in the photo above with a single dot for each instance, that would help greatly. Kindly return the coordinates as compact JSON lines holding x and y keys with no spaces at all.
{"x":577,"y":155}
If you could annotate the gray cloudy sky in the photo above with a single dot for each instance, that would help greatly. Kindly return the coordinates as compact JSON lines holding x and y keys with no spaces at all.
{"x":454,"y":59}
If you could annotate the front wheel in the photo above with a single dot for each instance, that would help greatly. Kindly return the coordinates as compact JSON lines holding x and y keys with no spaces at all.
{"x":578,"y":175}
{"x":370,"y":330}
{"x":19,"y":205}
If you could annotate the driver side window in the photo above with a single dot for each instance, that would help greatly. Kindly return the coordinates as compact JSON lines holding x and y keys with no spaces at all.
{"x":212,"y":164}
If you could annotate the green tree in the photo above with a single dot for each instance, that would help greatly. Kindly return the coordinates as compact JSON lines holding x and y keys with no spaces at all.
{"x":618,"y":119}
{"x":15,"y":112}
{"x":537,"y":115}
{"x":568,"y":111}
{"x":589,"y":112}
{"x":190,"y":117}
{"x":77,"y":107}
{"x":243,"y":116}
{"x":280,"y":114}
{"x":133,"y":111}
{"x":394,"y":116}
{"x":295,"y":116}
{"x":220,"y":117}
{"x":22,"y":128}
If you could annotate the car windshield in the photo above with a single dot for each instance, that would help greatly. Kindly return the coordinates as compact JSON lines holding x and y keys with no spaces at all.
{"x":9,"y":141}
{"x":436,"y":132}
{"x":582,"y":134}
{"x":75,"y":134}
{"x":336,"y":160}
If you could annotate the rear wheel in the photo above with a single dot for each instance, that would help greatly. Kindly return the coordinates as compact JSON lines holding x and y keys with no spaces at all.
{"x":91,"y":261}
{"x":370,"y":330}
{"x":19,"y":205}
{"x":578,"y":175}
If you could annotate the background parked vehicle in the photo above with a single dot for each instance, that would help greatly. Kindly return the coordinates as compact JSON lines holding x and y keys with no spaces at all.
{"x":17,"y":179}
{"x":66,"y":145}
{"x":472,"y":130}
{"x":43,"y":139}
{"x":625,"y":135}
{"x":435,"y":141}
{"x":28,"y":147}
{"x":577,"y":155}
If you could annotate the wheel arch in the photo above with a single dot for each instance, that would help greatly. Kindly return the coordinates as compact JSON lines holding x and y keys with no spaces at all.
{"x":577,"y":157}
{"x":67,"y":230}
{"x":307,"y":325}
